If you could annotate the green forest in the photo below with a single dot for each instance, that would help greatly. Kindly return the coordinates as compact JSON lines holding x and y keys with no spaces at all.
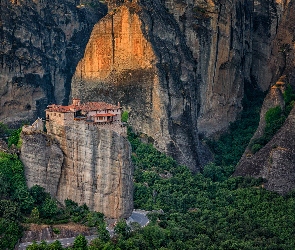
{"x":208,"y":210}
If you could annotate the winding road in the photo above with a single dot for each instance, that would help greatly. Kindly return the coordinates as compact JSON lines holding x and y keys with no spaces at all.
{"x":138,"y":216}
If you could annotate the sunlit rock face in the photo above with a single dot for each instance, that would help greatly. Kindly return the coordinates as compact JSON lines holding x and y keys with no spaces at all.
{"x":137,"y":55}
{"x":41,"y":44}
{"x":173,"y":61}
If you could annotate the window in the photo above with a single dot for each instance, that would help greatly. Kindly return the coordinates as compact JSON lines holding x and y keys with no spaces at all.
{"x":54,"y":114}
{"x":100,"y":118}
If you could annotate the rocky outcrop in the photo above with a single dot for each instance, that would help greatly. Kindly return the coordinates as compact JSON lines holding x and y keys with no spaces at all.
{"x":234,"y":44}
{"x":41,"y":44}
{"x":193,"y":70}
{"x":45,"y":232}
{"x":178,"y":66}
{"x":137,"y":55}
{"x":267,"y":18}
{"x":94,"y":168}
{"x":275,"y":161}
{"x":42,"y":159}
{"x":273,"y":99}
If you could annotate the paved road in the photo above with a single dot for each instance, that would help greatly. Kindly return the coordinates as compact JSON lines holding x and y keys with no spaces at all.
{"x":138,"y":216}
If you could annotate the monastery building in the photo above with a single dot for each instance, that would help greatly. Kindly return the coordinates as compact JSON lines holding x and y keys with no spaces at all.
{"x":96,"y":113}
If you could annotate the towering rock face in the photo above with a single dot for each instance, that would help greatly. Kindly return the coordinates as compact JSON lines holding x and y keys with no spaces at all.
{"x":83,"y":163}
{"x":137,"y":55}
{"x":234,"y":42}
{"x":282,"y":61}
{"x":219,"y":35}
{"x":178,"y":66}
{"x":267,"y":17}
{"x":193,"y":69}
{"x":41,"y":44}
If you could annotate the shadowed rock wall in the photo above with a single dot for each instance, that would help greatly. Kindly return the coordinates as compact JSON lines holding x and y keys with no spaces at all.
{"x":275,"y":161}
{"x":42,"y":159}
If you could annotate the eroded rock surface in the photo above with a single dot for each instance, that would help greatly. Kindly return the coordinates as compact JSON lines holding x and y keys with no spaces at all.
{"x":41,"y":44}
{"x":138,"y":56}
{"x":90,"y":165}
{"x":45,"y":232}
{"x":275,"y":161}
{"x":42,"y":159}
{"x":179,"y":66}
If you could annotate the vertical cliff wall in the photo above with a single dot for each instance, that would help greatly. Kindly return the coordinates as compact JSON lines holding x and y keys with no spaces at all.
{"x":219,"y":36}
{"x":282,"y":60}
{"x":82,"y":163}
{"x":42,"y":159}
{"x":41,"y":44}
{"x":233,"y":42}
{"x":179,"y":66}
{"x":138,"y":56}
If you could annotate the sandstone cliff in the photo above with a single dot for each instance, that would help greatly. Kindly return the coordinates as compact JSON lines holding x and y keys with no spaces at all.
{"x":90,"y":165}
{"x":282,"y":60}
{"x":138,"y":56}
{"x":219,"y":36}
{"x":233,"y":44}
{"x":41,"y":44}
{"x":273,"y":99}
{"x":43,"y":161}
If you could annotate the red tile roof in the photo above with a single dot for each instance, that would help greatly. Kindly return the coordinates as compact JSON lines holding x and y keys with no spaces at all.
{"x":93,"y":106}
